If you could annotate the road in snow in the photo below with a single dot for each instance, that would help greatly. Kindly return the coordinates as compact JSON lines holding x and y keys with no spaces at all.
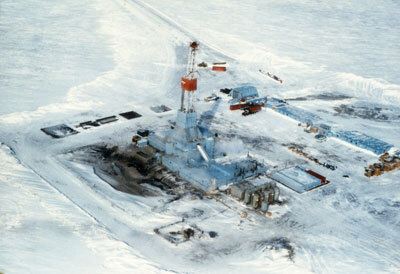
{"x":71,"y":62}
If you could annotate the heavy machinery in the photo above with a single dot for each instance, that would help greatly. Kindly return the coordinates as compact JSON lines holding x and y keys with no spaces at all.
{"x":251,"y":109}
{"x":273,"y":77}
{"x":247,"y":99}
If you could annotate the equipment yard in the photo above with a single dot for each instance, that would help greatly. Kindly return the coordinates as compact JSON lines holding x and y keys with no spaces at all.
{"x":173,"y":144}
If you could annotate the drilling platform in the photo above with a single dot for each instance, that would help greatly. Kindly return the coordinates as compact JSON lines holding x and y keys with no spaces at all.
{"x":188,"y":149}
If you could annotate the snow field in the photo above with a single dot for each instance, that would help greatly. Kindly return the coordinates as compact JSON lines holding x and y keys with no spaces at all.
{"x":89,"y":60}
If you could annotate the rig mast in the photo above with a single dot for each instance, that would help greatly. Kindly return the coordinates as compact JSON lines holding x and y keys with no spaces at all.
{"x":189,"y":81}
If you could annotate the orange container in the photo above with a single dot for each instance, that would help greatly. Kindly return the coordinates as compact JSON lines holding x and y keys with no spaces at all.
{"x":255,"y":108}
{"x":219,"y":68}
{"x":250,"y":106}
{"x":189,"y":84}
{"x":237,"y":106}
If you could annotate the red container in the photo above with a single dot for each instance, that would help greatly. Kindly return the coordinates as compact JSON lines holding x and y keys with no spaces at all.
{"x":255,"y":108}
{"x":250,"y":106}
{"x":237,"y":106}
{"x":189,"y":84}
{"x":219,"y":68}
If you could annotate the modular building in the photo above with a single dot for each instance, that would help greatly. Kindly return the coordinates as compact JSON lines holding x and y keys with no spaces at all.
{"x":274,"y":103}
{"x":362,"y":140}
{"x":353,"y":137}
{"x":298,"y":114}
{"x":245,"y":92}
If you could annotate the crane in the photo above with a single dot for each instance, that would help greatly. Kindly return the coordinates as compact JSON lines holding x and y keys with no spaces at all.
{"x":189,"y":81}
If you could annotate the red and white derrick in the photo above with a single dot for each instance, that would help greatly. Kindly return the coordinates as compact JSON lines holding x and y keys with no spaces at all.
{"x":189,"y":81}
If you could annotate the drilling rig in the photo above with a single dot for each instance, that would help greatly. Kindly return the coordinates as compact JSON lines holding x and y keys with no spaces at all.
{"x":189,"y":81}
{"x":188,"y":149}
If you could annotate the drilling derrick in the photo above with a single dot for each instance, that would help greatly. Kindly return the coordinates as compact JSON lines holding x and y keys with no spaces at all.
{"x":189,"y":81}
{"x":188,"y":149}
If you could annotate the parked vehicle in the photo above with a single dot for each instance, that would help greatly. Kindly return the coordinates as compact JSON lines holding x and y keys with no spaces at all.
{"x":213,"y":97}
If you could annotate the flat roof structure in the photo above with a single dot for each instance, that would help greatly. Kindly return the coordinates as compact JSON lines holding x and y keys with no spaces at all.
{"x":59,"y":131}
{"x":298,"y":114}
{"x":362,"y":140}
{"x":244,"y":92}
{"x":297,"y":179}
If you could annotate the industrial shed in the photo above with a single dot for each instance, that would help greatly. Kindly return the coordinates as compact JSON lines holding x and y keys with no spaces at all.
{"x":244,"y":92}
{"x":298,"y":114}
{"x":274,"y":103}
{"x":362,"y":140}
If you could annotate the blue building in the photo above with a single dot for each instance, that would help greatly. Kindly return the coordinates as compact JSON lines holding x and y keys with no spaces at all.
{"x":274,"y":102}
{"x":353,"y":137}
{"x":298,"y":114}
{"x":245,"y":92}
{"x":362,"y":140}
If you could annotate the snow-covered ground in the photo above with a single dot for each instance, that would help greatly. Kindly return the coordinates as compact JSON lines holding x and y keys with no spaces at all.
{"x":67,"y":62}
{"x":43,"y":231}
